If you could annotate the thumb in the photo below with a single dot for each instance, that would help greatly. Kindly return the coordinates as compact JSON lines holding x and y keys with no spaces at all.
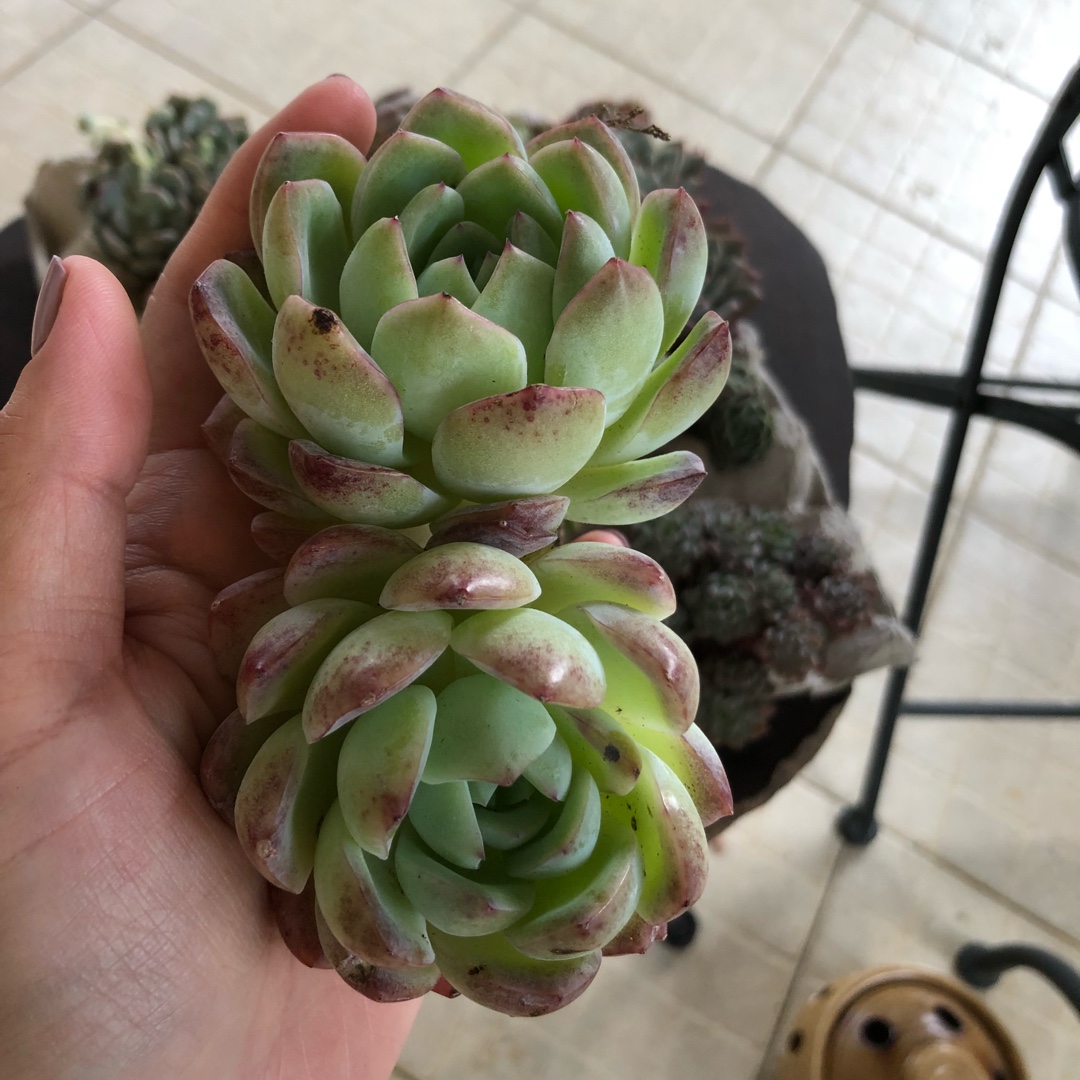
{"x":72,"y":441}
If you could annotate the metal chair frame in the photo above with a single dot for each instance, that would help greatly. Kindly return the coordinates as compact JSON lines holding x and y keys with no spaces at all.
{"x":966,"y":394}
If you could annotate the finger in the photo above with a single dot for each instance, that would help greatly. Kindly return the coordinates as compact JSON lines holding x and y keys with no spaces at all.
{"x":184,"y":389}
{"x":72,"y":441}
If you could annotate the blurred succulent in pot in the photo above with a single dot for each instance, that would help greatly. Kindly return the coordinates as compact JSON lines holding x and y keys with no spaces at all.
{"x":738,"y":429}
{"x":143,"y":191}
{"x":481,"y":752}
{"x":770,"y":602}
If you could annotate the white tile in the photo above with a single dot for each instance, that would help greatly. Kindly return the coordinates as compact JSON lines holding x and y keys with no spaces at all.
{"x":274,"y":49}
{"x":95,"y":70}
{"x":937,"y":137}
{"x":754,"y":60}
{"x":1030,"y":43}
{"x":537,"y":69}
{"x":29,"y":25}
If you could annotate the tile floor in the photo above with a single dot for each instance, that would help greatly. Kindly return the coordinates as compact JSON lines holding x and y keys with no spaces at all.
{"x":889,"y":130}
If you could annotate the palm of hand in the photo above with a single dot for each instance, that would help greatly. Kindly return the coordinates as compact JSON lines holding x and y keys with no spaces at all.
{"x":133,"y":937}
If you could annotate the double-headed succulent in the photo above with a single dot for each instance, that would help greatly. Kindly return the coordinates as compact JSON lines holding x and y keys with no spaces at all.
{"x":473,"y":762}
{"x":144,"y":191}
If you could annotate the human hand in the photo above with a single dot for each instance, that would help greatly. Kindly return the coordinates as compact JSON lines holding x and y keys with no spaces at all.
{"x":134,"y":939}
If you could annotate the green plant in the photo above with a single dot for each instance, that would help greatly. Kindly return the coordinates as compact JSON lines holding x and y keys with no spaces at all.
{"x":144,"y":191}
{"x":762,"y":595}
{"x":482,"y":751}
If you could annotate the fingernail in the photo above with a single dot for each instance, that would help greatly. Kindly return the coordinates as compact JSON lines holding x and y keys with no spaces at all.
{"x":48,"y":304}
{"x":338,"y":75}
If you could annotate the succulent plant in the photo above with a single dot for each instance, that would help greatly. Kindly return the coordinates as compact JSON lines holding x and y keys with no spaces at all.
{"x":481,"y":751}
{"x":738,"y":430}
{"x":762,"y":596}
{"x":142,"y":193}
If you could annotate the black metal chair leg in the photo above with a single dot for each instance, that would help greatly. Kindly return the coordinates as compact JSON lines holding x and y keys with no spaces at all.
{"x":982,"y":965}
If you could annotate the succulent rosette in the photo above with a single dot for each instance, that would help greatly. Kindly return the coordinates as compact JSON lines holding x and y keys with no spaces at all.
{"x":464,"y":757}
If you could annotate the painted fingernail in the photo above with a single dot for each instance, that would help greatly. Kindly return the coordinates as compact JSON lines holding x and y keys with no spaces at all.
{"x":48,"y":304}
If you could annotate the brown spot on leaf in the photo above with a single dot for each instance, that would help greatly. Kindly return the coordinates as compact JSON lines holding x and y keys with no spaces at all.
{"x":323,"y":320}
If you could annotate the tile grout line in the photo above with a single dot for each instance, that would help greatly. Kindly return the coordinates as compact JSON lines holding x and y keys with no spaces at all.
{"x":664,"y":83}
{"x":765,"y":1071}
{"x":154,"y":45}
{"x":514,"y":16}
{"x":942,"y":863}
{"x":931,"y":228}
{"x":957,"y":50}
{"x":80,"y":21}
{"x":778,"y":145}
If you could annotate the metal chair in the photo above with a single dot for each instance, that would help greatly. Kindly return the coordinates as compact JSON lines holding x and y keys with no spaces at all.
{"x":969,"y":394}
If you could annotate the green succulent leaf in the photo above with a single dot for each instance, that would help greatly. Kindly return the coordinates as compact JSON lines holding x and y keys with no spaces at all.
{"x":365,"y":494}
{"x":585,"y":251}
{"x":426,"y":218}
{"x":676,"y":394}
{"x":601,"y":745}
{"x":608,"y":335}
{"x":384,"y":753}
{"x":471,"y":241}
{"x":383,"y":984}
{"x":234,"y":326}
{"x":460,"y":577}
{"x":440,"y":356}
{"x":476,"y":132}
{"x":445,"y":819}
{"x":528,"y":442}
{"x":570,"y":840}
{"x":258,"y":463}
{"x":580,"y":179}
{"x":526,"y":233}
{"x":283,"y":656}
{"x":486,"y":730}
{"x":304,"y":243}
{"x":490,"y":971}
{"x":453,"y":902}
{"x":693,"y":759}
{"x":652,"y":676}
{"x":535,"y":652}
{"x":237,"y":614}
{"x":343,"y":399}
{"x":633,"y":491}
{"x":372,"y":664}
{"x":508,"y":185}
{"x":303,"y":155}
{"x":352,"y":562}
{"x":585,"y":908}
{"x":670,"y":836}
{"x":228,"y":756}
{"x":450,"y":276}
{"x":287,"y":789}
{"x":506,"y":829}
{"x":600,"y":137}
{"x":401,"y":168}
{"x":363,"y":905}
{"x":377,"y":276}
{"x":514,"y":298}
{"x":583,"y":571}
{"x":669,"y":241}
{"x":552,"y":771}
